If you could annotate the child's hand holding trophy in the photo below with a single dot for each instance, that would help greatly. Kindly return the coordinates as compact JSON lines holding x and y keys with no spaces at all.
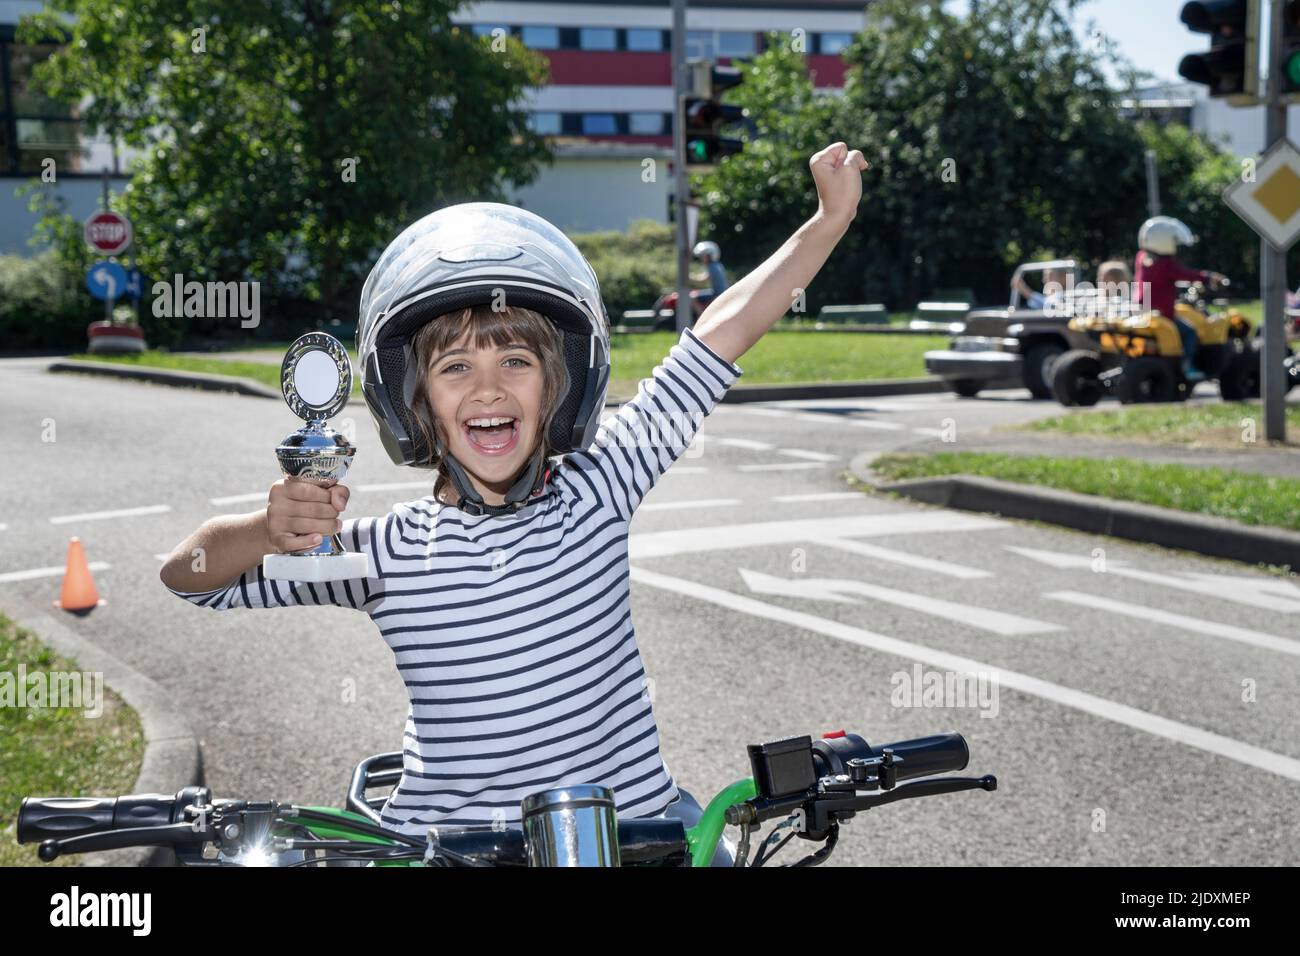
{"x":316,"y":380}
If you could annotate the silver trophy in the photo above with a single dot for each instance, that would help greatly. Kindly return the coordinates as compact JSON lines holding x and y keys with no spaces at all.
{"x":316,"y":380}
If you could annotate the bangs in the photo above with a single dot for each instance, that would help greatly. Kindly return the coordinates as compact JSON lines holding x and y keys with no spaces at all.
{"x":487,"y":328}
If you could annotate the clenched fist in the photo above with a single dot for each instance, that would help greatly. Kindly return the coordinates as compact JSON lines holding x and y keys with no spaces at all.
{"x":838,"y":175}
{"x":300,"y":512}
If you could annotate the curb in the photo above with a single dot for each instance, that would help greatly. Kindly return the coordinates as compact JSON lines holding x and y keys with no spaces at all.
{"x":1150,"y":524}
{"x":204,"y":380}
{"x":172,"y":758}
{"x":869,"y":388}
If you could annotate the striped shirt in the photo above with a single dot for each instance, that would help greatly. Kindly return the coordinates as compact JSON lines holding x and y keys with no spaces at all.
{"x":513,"y":633}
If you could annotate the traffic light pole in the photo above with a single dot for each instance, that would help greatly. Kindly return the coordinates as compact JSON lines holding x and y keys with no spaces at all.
{"x":680,"y":80}
{"x":1273,"y":283}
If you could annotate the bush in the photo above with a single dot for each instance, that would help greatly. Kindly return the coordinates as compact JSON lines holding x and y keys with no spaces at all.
{"x":43,"y":304}
{"x":633,"y":267}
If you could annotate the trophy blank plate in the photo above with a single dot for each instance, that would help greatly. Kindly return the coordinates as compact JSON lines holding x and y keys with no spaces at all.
{"x":316,"y":567}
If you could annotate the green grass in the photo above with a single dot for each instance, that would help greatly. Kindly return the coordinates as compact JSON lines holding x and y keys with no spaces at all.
{"x":778,"y":358}
{"x":57,"y":752}
{"x":1221,"y":423}
{"x":1248,"y":498}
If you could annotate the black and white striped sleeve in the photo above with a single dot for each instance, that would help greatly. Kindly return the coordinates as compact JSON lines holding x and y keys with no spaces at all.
{"x":639,"y":443}
{"x":369,"y":536}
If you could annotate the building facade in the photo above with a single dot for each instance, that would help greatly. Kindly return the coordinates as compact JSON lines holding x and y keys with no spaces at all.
{"x":608,"y":106}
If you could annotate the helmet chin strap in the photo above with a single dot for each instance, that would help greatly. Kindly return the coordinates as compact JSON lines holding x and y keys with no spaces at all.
{"x":534,"y":480}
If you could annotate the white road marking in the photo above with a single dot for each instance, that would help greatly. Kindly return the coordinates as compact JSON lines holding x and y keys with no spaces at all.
{"x":657,"y":544}
{"x":748,"y":443}
{"x":810,"y":455}
{"x":819,"y":496}
{"x":117,"y":513}
{"x":830,"y":589}
{"x":1227,"y":631}
{"x":904,"y":558}
{"x":872,"y":423}
{"x":1113,"y":711}
{"x":162,"y":557}
{"x":3,"y":526}
{"x":821,"y":419}
{"x":381,"y":486}
{"x":1269,"y":588}
{"x":47,"y":572}
{"x":699,"y":503}
{"x":1238,"y":591}
{"x":933,"y":432}
{"x":781,"y":466}
{"x":238,"y":499}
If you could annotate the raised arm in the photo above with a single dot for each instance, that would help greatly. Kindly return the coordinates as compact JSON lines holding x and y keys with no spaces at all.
{"x":742,"y":314}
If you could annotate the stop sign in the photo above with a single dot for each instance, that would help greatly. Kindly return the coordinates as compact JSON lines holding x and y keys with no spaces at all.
{"x":108,"y":233}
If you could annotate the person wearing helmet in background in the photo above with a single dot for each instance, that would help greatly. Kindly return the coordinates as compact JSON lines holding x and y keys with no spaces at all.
{"x":1158,"y":269}
{"x":484,"y":350}
{"x":711,"y":256}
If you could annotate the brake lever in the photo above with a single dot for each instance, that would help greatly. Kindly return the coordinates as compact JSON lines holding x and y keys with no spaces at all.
{"x":170,"y":834}
{"x":828,"y":809}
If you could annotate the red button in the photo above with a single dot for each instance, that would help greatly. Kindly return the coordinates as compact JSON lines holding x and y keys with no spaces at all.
{"x":832,"y":733}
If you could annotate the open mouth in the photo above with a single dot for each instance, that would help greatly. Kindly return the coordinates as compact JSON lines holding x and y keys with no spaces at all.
{"x":496,"y":435}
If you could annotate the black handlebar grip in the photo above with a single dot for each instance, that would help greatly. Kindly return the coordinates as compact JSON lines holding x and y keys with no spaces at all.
{"x":56,"y":818}
{"x":940,"y":753}
{"x":925,"y":756}
{"x":53,"y":818}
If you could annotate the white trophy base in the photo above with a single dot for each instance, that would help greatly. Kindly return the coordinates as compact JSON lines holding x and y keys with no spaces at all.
{"x":316,"y":567}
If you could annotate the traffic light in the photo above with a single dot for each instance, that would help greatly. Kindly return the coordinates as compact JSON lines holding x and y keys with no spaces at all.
{"x":1291,"y":51}
{"x":1231,"y":66}
{"x":706,"y":114}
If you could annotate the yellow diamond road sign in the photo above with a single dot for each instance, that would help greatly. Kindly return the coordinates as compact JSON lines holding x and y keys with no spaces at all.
{"x":1269,"y":200}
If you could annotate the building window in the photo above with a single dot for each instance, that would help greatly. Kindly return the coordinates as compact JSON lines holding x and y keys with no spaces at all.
{"x":650,"y":40}
{"x":599,"y":124}
{"x":645,"y":124}
{"x":485,"y":29}
{"x":541,"y":38}
{"x":731,"y":43}
{"x":597,"y":38}
{"x":835,"y":42}
{"x":700,"y":44}
{"x":34,"y":128}
{"x":547,"y":124}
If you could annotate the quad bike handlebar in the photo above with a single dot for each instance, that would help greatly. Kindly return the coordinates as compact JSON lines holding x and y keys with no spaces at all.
{"x":815,"y":785}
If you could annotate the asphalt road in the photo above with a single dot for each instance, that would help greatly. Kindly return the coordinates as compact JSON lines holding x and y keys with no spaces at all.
{"x":1138,"y":705}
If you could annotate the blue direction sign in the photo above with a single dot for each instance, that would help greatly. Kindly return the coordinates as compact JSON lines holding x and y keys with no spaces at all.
{"x":106,"y":281}
{"x":134,"y":284}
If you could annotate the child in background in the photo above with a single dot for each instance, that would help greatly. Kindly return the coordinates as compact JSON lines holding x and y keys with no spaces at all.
{"x":1158,"y":269}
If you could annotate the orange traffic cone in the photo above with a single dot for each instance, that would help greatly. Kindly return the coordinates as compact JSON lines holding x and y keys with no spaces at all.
{"x":79,"y":595}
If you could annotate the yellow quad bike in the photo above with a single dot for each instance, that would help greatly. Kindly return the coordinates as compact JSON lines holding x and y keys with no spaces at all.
{"x":1139,"y":357}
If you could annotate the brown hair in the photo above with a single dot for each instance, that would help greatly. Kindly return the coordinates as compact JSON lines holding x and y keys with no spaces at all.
{"x":487,"y":327}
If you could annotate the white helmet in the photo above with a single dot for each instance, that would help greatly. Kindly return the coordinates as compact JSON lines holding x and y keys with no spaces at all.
{"x":1163,"y":235}
{"x":460,"y":256}
{"x":709,"y":248}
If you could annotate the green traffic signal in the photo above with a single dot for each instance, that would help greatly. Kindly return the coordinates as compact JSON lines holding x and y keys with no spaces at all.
{"x":1293,"y":69}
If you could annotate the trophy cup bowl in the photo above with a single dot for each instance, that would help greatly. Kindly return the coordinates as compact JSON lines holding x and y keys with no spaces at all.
{"x":316,"y":380}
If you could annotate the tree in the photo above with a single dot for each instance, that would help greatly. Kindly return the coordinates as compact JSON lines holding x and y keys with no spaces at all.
{"x":990,"y":139}
{"x":289,"y":142}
